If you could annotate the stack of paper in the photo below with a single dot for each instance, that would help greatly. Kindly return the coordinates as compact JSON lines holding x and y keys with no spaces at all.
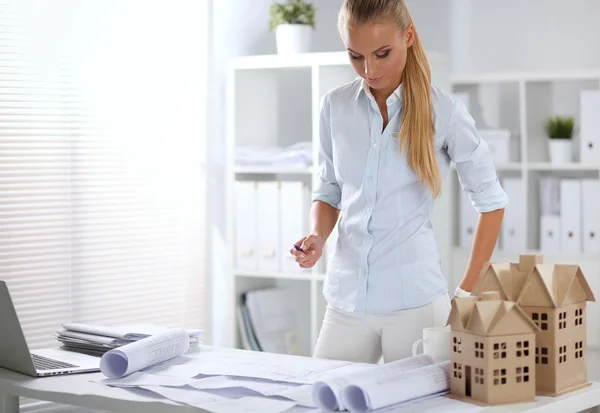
{"x":297,"y":155}
{"x":270,"y":320}
{"x":97,"y":339}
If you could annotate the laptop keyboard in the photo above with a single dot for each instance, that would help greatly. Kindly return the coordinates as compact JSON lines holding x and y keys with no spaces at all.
{"x":44,"y":363}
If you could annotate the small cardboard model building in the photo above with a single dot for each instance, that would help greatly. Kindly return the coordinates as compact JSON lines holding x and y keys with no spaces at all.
{"x":554,"y":296}
{"x":492,"y":350}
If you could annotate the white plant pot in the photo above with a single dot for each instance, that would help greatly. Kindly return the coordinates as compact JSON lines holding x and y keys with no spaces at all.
{"x":293,"y":38}
{"x":561,"y":150}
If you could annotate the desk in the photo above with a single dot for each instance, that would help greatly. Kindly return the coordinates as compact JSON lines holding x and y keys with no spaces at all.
{"x":77,"y":390}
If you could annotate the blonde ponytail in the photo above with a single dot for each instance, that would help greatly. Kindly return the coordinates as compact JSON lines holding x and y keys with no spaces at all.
{"x":416,"y":127}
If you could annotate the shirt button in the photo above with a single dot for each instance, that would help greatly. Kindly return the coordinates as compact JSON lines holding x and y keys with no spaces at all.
{"x":374,"y":145}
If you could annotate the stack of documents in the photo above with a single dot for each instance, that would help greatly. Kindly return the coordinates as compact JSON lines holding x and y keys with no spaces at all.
{"x":297,"y":155}
{"x":97,"y":339}
{"x":270,"y":320}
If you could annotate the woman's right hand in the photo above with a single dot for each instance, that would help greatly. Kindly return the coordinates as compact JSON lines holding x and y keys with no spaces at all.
{"x":312,"y":246}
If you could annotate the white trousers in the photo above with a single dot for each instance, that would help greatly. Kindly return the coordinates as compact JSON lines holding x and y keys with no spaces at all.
{"x":363,"y":337}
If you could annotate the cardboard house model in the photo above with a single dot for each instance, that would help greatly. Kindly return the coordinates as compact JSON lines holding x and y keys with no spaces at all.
{"x":554,"y":297}
{"x":492,"y":350}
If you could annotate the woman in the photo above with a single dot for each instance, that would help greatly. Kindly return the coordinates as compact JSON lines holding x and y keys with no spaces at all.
{"x":386,"y":141}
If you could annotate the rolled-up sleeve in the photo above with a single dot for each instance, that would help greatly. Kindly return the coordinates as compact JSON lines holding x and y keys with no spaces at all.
{"x":327,"y":188}
{"x":474,"y":163}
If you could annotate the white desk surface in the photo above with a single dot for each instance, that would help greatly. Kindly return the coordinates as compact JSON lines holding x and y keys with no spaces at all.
{"x":78,"y":390}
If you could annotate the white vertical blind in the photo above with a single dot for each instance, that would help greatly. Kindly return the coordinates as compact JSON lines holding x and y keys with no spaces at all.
{"x":102,"y":135}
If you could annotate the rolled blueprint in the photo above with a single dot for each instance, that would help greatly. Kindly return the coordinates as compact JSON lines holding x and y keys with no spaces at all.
{"x":144,"y":353}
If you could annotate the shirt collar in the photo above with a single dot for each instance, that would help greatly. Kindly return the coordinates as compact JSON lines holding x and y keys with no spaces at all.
{"x":396,"y":95}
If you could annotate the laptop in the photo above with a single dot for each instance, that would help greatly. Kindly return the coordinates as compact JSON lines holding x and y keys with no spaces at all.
{"x":15,"y":354}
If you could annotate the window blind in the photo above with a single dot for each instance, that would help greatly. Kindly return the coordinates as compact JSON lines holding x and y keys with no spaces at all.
{"x":102,"y":136}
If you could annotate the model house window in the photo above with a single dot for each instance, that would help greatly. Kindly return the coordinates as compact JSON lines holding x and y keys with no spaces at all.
{"x":499,"y":350}
{"x":499,"y":377}
{"x":544,"y":323}
{"x":536,"y":317}
{"x":562,"y":358}
{"x":522,"y":374}
{"x":579,"y":317}
{"x":458,"y":370}
{"x":479,"y":376}
{"x":522,"y":348}
{"x":543,"y":351}
{"x":562,"y":320}
{"x":578,"y":349}
{"x":457,"y":345}
{"x":478,"y":350}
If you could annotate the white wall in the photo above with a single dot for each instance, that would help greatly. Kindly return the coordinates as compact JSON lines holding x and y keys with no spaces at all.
{"x":492,"y":35}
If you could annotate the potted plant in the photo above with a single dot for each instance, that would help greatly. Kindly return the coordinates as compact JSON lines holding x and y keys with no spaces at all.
{"x":293,"y":22}
{"x":560,"y":131}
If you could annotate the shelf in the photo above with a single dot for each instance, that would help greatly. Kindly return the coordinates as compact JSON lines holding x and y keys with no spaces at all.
{"x":308,"y":276}
{"x":515,"y":166}
{"x":273,"y":170}
{"x":506,"y":77}
{"x":274,"y":61}
{"x":501,"y":255}
{"x":546,"y":166}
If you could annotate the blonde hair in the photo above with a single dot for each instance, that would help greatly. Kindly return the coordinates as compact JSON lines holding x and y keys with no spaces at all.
{"x":416,"y":127}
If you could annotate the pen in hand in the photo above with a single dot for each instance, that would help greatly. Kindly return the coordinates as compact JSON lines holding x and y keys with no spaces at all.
{"x":299,"y":249}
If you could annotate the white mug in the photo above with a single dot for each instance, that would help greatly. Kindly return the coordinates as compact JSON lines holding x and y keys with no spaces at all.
{"x":436,"y":343}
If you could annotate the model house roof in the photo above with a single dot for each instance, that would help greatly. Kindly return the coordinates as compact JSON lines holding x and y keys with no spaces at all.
{"x":488,"y":315}
{"x":532,"y":283}
{"x":506,"y":278}
{"x":551,"y":285}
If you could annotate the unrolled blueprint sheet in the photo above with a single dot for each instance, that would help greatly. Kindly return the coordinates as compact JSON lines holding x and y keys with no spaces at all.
{"x":220,"y":385}
{"x":439,"y":404}
{"x":220,"y":404}
{"x":275,"y":367}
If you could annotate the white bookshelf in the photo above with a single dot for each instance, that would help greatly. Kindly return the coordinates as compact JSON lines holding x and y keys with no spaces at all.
{"x":520,"y":101}
{"x":275,"y":100}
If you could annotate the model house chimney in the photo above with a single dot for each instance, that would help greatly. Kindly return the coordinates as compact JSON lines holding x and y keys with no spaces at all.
{"x":527,"y":262}
{"x":490,"y":295}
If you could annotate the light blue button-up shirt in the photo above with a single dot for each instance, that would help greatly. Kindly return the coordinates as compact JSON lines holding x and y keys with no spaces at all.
{"x":386,"y":257}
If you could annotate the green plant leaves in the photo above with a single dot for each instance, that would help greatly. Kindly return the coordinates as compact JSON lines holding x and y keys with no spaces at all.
{"x":559,"y":127}
{"x":291,"y":12}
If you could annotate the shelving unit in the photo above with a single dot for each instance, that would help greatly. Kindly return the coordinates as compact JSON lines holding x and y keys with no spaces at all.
{"x":275,"y":100}
{"x":520,"y":102}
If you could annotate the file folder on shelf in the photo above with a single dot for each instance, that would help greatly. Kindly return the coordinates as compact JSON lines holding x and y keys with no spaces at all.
{"x":268,"y":226}
{"x":590,"y":200}
{"x":294,"y":203}
{"x":590,"y":127}
{"x":246,"y":226}
{"x":570,"y":214}
{"x":550,"y":233}
{"x":513,"y":230}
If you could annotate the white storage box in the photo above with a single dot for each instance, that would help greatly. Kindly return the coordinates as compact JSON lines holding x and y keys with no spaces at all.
{"x":498,"y":141}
